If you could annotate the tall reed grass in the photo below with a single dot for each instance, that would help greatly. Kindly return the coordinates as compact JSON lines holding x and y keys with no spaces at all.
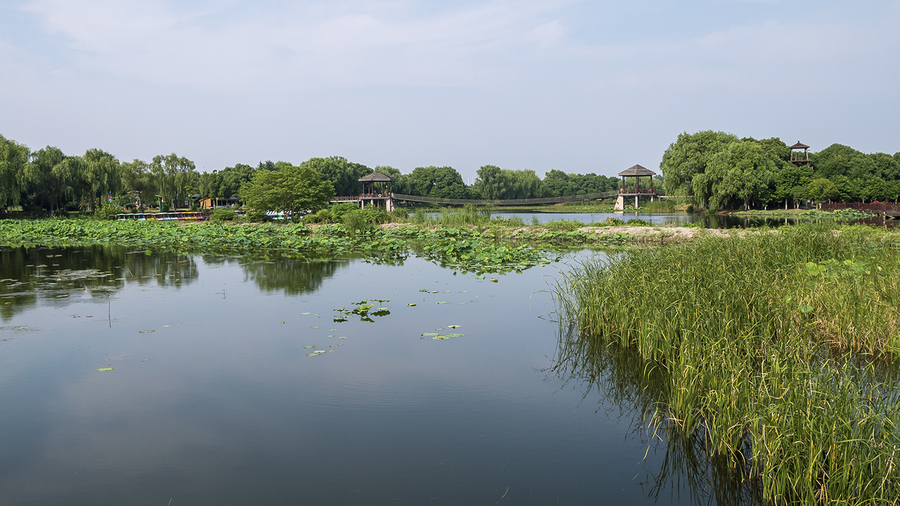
{"x":773,"y":349}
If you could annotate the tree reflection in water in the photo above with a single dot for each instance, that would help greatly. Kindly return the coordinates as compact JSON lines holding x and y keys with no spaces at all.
{"x":290,"y":275}
{"x":636,"y":386}
{"x":29,"y":275}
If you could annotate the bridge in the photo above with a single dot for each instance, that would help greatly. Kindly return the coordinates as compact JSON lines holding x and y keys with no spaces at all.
{"x":886,"y":209}
{"x":391,"y":200}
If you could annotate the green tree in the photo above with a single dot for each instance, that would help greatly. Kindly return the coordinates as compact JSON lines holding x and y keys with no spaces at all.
{"x":290,"y":189}
{"x":821,"y":190}
{"x":491,"y":183}
{"x":789,"y":177}
{"x":45,"y":187}
{"x":137,"y":182}
{"x":171,"y":175}
{"x":523,"y":184}
{"x":344,"y":175}
{"x":13,"y":160}
{"x":438,"y":182}
{"x":101,"y":175}
{"x":839,"y":160}
{"x":557,"y":184}
{"x":684,"y":164}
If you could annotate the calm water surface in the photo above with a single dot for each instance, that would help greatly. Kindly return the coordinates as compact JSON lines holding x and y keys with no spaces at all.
{"x":214,"y":400}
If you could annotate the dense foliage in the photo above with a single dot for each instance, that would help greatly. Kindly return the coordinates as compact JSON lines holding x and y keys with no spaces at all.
{"x":290,"y":189}
{"x":50,"y":180}
{"x":717,"y":170}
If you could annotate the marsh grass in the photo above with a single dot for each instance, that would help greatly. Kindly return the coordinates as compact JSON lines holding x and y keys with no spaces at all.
{"x":771,"y":351}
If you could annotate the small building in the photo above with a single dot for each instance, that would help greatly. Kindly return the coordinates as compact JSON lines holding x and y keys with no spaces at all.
{"x":646,"y":190}
{"x":377,"y":191}
{"x":221,"y":202}
{"x":800,"y":154}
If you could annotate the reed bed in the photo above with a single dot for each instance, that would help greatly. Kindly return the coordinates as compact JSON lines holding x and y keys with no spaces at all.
{"x":773,"y":351}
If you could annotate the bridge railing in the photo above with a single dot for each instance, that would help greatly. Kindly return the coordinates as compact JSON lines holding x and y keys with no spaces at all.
{"x":507,"y":202}
{"x":880,"y":207}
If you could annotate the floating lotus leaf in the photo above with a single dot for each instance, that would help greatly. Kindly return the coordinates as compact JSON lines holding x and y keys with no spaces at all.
{"x":310,"y":347}
{"x":440,"y":338}
{"x":453,"y":326}
{"x":409,"y":305}
{"x":494,"y":280}
{"x":314,"y":327}
{"x":315,"y":353}
{"x":343,"y":337}
{"x":145,"y":331}
{"x":442,"y":302}
{"x":454,"y":335}
{"x":430,"y":334}
{"x":105,"y":369}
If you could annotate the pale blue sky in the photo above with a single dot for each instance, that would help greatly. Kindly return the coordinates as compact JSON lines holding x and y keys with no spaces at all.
{"x":580,"y":86}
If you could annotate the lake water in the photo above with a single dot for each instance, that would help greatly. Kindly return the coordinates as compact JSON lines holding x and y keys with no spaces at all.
{"x":673,"y":219}
{"x":231,"y":383}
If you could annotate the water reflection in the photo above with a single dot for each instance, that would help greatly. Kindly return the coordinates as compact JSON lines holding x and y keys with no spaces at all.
{"x":619,"y":376}
{"x":290,"y":275}
{"x":63,"y":276}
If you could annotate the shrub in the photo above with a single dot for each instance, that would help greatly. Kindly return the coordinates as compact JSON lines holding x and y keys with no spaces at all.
{"x":320,"y":216}
{"x":108,"y":211}
{"x":257,"y":217}
{"x":338,"y":211}
{"x":223,"y":215}
{"x":564,"y":225}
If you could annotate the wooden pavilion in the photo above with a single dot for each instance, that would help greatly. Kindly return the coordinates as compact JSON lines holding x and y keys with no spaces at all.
{"x":637,"y":172}
{"x":800,"y":154}
{"x":377,"y":191}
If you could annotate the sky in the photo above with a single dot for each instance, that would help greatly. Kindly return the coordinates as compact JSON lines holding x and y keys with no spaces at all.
{"x":579,"y":86}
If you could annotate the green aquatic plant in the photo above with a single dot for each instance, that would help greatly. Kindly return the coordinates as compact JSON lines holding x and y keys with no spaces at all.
{"x":773,"y":351}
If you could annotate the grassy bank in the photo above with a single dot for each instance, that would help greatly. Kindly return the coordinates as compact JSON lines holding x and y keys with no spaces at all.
{"x":772,"y":352}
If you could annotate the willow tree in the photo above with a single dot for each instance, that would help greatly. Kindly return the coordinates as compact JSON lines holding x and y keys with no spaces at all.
{"x":684,"y":164}
{"x":50,"y":179}
{"x":13,"y":160}
{"x":101,"y":174}
{"x":138,"y":182}
{"x":171,"y":175}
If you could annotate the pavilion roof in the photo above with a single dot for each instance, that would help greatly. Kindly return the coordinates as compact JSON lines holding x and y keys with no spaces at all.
{"x":377,"y":177}
{"x":637,"y":170}
{"x":799,"y":145}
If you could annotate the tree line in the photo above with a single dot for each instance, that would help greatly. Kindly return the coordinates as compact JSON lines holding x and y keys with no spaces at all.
{"x":718,"y":170}
{"x":52,"y":181}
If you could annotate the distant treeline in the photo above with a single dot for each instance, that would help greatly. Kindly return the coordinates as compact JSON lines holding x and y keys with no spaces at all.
{"x":718,"y":170}
{"x":50,"y":180}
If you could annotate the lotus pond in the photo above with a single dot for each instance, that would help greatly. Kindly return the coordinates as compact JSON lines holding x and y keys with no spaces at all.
{"x":130,"y":376}
{"x":413,"y":366}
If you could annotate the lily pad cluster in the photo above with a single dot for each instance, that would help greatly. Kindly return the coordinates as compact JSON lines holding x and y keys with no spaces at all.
{"x":363,"y":309}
